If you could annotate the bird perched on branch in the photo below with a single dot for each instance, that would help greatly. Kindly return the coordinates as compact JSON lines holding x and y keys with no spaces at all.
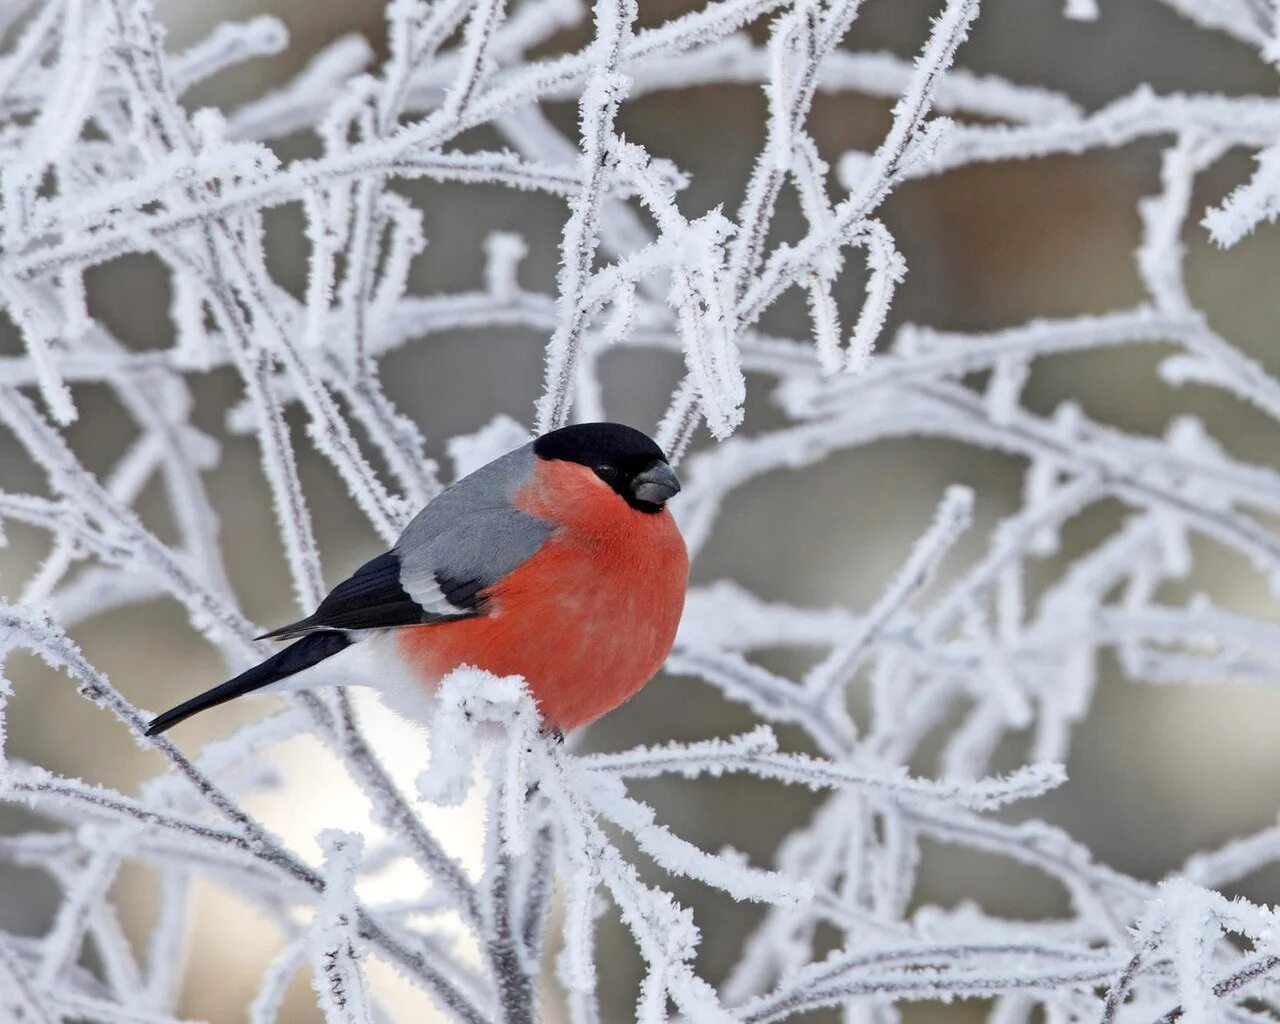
{"x":558,"y":562}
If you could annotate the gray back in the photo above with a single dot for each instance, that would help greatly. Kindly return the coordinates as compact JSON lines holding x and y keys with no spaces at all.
{"x":470,"y":536}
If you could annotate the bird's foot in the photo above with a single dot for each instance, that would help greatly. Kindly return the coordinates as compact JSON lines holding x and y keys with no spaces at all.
{"x":553,"y":733}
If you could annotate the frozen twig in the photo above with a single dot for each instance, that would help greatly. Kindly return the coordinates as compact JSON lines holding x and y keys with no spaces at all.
{"x":103,"y":159}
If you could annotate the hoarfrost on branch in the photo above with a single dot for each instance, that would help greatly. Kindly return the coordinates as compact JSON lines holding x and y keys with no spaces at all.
{"x":101,"y":158}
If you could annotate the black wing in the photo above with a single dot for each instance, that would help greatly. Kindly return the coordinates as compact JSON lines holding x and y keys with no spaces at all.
{"x":374,"y":598}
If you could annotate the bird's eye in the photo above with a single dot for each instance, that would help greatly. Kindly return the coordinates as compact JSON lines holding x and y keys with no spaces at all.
{"x":606,"y":473}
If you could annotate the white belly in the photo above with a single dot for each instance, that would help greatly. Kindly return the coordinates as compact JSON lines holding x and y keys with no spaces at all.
{"x":371,"y":661}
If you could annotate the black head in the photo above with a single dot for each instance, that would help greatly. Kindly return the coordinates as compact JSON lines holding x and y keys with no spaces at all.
{"x":624,"y":458}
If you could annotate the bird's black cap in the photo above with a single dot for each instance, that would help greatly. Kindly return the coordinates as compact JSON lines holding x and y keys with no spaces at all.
{"x":623,"y":457}
{"x":591,"y":444}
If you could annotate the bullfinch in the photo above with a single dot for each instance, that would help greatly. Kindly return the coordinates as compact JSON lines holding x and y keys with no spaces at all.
{"x":558,"y":562}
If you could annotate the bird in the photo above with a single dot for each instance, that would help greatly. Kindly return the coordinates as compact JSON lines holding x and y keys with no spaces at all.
{"x":559,"y":562}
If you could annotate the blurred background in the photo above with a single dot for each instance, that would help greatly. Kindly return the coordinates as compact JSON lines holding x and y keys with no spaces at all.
{"x":1156,"y":773}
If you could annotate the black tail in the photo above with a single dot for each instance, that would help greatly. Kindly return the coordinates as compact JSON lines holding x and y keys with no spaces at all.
{"x":295,"y":629}
{"x":310,"y":650}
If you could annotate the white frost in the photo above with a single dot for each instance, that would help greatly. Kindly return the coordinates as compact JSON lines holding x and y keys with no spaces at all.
{"x":983,"y":639}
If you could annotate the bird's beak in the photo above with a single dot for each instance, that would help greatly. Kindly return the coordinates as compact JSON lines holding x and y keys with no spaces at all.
{"x":656,"y":484}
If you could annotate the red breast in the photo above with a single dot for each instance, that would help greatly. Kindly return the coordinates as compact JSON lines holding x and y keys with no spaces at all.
{"x":589,"y":618}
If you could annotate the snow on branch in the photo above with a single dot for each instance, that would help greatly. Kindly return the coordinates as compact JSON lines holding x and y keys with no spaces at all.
{"x":102,"y":158}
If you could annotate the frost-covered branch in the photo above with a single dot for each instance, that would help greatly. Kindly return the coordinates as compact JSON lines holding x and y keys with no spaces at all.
{"x":984,"y":638}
